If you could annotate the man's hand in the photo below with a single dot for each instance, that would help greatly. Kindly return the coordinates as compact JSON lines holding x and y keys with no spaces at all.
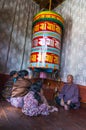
{"x":68,"y":102}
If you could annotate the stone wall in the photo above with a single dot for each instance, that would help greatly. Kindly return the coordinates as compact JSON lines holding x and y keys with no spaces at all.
{"x":15,"y":33}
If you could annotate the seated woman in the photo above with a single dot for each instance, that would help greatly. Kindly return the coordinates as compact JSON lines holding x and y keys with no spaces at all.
{"x":69,"y":95}
{"x":6,"y":93}
{"x":20,"y":89}
{"x":35,"y":102}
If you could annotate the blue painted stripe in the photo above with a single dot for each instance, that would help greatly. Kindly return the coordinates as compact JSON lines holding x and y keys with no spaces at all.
{"x":48,"y":49}
{"x":41,"y":65}
{"x":47,"y":33}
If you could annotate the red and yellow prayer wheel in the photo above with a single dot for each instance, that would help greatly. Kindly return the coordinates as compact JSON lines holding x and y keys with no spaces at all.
{"x":46,"y":40}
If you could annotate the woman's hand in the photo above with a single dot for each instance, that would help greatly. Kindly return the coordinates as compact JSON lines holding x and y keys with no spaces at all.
{"x":62,"y":102}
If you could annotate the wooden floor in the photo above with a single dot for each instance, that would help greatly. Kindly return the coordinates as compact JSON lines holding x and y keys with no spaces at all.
{"x":13,"y":119}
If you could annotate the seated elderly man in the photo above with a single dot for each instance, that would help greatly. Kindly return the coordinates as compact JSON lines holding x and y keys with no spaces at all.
{"x":69,"y":95}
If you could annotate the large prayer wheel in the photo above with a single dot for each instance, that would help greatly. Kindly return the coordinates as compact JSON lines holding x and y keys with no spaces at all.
{"x":46,"y":40}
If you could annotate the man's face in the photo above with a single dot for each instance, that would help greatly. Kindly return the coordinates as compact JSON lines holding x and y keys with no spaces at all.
{"x":70,"y":79}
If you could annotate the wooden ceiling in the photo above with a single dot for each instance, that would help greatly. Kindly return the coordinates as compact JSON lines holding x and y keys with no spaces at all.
{"x":44,"y":4}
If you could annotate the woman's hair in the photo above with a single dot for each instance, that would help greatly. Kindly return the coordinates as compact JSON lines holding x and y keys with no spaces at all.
{"x":39,"y":83}
{"x":22,"y":73}
{"x":12,"y":73}
{"x":36,"y":88}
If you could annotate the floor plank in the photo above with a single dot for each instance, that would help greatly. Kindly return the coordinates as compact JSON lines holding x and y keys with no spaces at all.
{"x":13,"y":119}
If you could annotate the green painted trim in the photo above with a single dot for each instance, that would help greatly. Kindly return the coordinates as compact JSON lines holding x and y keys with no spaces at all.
{"x":49,"y":11}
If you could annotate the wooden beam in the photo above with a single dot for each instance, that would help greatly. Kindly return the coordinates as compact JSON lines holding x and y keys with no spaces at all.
{"x":44,"y":3}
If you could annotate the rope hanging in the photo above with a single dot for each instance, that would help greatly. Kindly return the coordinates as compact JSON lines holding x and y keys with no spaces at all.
{"x":50,"y":5}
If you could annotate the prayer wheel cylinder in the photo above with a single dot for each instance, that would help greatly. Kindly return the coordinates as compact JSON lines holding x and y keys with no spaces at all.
{"x":46,"y":40}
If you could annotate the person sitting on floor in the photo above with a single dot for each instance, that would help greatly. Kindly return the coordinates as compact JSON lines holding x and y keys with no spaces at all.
{"x":20,"y":88}
{"x":6,"y":93}
{"x":35,"y":103}
{"x":69,"y":95}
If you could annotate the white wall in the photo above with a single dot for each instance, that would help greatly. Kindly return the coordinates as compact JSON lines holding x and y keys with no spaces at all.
{"x":73,"y":59}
